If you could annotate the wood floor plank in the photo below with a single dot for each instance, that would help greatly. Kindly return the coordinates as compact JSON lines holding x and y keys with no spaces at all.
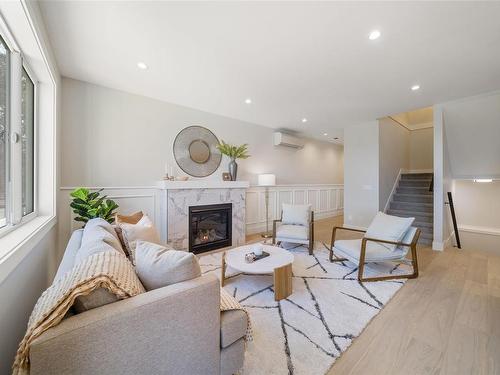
{"x":447,"y":321}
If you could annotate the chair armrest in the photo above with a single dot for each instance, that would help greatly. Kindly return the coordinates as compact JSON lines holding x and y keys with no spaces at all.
{"x":334,"y":233}
{"x":154,"y":332}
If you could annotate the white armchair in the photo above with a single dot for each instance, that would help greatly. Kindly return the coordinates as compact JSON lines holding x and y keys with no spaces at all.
{"x":388,"y":238}
{"x":296,"y":225}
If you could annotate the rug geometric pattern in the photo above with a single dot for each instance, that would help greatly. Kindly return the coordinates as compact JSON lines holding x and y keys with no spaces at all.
{"x":306,"y":332}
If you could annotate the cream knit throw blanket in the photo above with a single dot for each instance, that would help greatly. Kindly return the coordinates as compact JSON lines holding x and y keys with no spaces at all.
{"x":110,"y":270}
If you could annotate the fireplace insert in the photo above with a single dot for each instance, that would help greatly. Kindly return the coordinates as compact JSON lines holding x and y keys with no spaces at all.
{"x":210,"y":227}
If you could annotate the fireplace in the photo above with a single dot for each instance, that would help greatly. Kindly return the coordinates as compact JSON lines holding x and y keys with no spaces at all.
{"x":210,"y":227}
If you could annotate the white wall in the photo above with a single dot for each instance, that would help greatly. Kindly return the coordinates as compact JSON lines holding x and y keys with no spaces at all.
{"x":19,"y":292}
{"x":477,"y":206}
{"x":421,"y":148}
{"x":473,"y":136}
{"x":394,"y":155}
{"x":113,"y":138}
{"x":361,"y":178}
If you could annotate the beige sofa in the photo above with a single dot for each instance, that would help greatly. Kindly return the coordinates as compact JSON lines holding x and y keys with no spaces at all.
{"x":178,"y":329}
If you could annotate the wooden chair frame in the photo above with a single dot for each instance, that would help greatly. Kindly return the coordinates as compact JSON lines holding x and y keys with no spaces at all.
{"x":311,"y":231}
{"x":362,"y":255}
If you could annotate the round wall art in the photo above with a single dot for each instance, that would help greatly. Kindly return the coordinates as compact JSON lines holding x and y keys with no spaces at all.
{"x":195,"y":151}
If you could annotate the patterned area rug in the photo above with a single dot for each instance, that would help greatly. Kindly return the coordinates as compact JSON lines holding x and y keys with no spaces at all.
{"x":308,"y":331}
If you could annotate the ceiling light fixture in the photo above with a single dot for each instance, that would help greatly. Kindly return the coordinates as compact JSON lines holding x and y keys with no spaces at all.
{"x":304,"y":120}
{"x":415,"y":87}
{"x":483,"y":180}
{"x":248,"y":101}
{"x":375,"y":34}
{"x":325,"y":134}
{"x":142,"y":65}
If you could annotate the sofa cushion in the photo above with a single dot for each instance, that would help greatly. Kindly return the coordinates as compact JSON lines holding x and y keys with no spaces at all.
{"x":97,"y":298}
{"x":233,"y":326}
{"x":296,"y":232}
{"x":69,"y":257}
{"x":100,"y":230}
{"x":143,"y":230}
{"x":389,"y":228}
{"x":158,"y":266}
{"x":296,"y":214}
{"x":351,"y":249}
{"x":232,"y":358}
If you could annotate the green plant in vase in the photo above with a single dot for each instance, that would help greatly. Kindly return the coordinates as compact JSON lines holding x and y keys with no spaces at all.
{"x":233,"y":152}
{"x":90,"y":205}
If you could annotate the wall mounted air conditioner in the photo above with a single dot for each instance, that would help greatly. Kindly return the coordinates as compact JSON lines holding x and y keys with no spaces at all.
{"x":283,"y":139}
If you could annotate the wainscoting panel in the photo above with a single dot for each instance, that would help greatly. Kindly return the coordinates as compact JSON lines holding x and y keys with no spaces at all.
{"x":130,"y":199}
{"x":326,"y":200}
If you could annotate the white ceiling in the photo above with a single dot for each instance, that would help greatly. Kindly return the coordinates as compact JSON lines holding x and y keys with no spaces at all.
{"x":417,"y":119}
{"x":294,"y":59}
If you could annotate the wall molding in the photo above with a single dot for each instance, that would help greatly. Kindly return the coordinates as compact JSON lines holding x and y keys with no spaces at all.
{"x":479,"y":230}
{"x":327,"y":200}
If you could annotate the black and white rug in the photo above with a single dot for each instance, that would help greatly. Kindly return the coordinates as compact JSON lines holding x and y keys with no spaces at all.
{"x":308,"y":331}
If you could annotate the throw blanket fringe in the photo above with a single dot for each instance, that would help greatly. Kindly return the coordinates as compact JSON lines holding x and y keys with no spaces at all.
{"x":228,"y":302}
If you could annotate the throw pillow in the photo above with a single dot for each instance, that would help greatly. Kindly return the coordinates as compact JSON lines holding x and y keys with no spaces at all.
{"x":100,"y":230}
{"x":144,"y":230}
{"x":129,"y":219}
{"x":158,"y":266}
{"x":389,"y":228}
{"x":296,"y":214}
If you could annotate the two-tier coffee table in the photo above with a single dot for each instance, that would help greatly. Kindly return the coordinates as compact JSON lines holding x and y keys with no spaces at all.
{"x":278,"y":263}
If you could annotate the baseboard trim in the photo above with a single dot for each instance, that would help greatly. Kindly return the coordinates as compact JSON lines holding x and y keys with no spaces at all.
{"x":479,"y":230}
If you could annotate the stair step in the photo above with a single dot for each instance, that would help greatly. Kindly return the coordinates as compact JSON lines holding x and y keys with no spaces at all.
{"x":419,"y":216}
{"x":415,"y":183}
{"x":416,"y":176}
{"x":425,"y":241}
{"x":418,"y":198}
{"x":414,"y":190}
{"x":412,"y":207}
{"x":423,"y":224}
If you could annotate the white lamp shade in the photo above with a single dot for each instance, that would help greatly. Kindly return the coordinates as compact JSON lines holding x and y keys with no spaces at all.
{"x":267,"y":179}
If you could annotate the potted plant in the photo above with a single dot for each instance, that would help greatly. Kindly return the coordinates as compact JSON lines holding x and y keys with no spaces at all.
{"x":233,"y":152}
{"x":89,"y":205}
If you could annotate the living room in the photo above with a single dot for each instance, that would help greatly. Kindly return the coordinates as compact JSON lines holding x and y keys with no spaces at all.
{"x":206,"y":187}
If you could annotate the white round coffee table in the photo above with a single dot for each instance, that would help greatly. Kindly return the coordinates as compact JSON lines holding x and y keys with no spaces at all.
{"x":278,"y":263}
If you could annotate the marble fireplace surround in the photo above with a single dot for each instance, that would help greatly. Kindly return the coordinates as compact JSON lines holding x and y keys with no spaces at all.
{"x":177,"y":196}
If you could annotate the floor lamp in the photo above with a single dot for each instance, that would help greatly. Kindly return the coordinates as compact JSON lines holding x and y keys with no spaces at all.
{"x":267,"y":180}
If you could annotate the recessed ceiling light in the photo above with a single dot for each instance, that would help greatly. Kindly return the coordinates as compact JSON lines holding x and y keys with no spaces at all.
{"x":142,"y":65}
{"x":375,"y":34}
{"x":304,"y":120}
{"x":483,"y":180}
{"x":325,"y":134}
{"x":248,"y":101}
{"x":415,"y":87}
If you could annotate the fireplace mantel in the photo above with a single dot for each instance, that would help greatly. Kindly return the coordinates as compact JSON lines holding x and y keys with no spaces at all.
{"x":177,"y":196}
{"x":202,"y":184}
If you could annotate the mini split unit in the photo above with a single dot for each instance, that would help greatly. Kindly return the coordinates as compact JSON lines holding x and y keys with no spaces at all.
{"x":287,"y":140}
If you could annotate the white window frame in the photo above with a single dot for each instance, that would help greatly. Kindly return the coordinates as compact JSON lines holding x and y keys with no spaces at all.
{"x":13,"y":202}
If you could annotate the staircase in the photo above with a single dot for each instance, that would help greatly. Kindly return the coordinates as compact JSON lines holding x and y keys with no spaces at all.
{"x":412,"y":198}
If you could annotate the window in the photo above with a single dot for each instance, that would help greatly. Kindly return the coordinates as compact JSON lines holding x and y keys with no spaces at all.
{"x":4,"y":93}
{"x":17,"y":139}
{"x":27,"y":142}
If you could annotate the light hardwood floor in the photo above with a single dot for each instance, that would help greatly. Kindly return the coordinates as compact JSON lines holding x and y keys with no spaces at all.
{"x":447,"y":321}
